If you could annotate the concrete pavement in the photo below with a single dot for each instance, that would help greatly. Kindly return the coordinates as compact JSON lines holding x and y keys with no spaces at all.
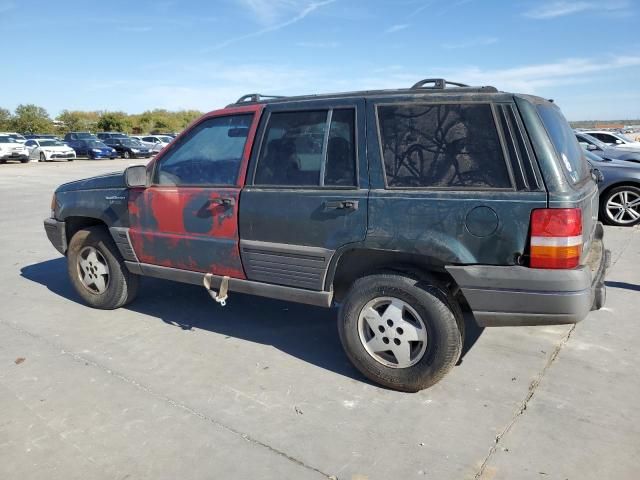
{"x":175,"y":386}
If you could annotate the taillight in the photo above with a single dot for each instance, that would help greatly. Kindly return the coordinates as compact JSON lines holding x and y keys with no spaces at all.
{"x":556,"y":238}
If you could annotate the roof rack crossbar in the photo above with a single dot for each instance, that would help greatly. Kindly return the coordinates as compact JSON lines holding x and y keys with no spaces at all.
{"x":255,"y":97}
{"x":438,"y":84}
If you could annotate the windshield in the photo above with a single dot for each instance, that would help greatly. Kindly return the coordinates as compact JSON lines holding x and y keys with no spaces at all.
{"x":85,"y":135}
{"x":130,"y":142}
{"x":17,"y":136}
{"x":165,"y":139}
{"x":592,"y":157}
{"x":96,"y":144}
{"x":7,"y":140}
{"x":594,"y":141}
{"x":625,"y":138}
{"x":51,"y":143}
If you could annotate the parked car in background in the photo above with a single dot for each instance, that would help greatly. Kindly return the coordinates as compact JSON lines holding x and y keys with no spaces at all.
{"x":94,"y":149}
{"x":619,"y":189}
{"x":614,"y":139}
{"x":128,"y":148}
{"x":138,"y":138}
{"x":10,"y":149}
{"x":105,"y":135}
{"x":33,"y":136}
{"x":16,"y":136}
{"x":155,"y":142}
{"x":592,"y":144}
{"x":71,"y":136}
{"x":47,"y":149}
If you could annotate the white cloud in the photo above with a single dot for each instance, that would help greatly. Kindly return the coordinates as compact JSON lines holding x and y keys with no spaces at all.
{"x":525,"y":79}
{"x":270,"y":11}
{"x":560,"y":8}
{"x":474,"y":42}
{"x":396,"y":28}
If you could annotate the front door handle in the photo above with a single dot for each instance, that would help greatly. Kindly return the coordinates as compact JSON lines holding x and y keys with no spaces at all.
{"x":341,"y":205}
{"x":223,"y":201}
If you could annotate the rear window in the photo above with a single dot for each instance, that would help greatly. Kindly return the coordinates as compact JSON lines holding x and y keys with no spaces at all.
{"x":565,"y":142}
{"x":441,"y":146}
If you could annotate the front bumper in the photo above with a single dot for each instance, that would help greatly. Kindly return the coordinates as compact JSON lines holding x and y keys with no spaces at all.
{"x":14,"y":156}
{"x":57,"y":234}
{"x":517,"y":296}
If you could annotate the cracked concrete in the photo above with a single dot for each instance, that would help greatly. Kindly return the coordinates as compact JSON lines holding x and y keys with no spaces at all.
{"x":175,"y":386}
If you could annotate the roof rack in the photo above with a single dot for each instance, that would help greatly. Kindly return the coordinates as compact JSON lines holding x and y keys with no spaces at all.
{"x":255,"y":97}
{"x":438,"y":84}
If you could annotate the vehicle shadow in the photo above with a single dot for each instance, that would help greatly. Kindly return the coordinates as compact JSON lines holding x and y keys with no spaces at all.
{"x":306,"y":332}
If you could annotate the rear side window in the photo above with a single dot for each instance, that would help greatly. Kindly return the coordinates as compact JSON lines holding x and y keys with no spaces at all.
{"x":310,"y":148}
{"x":565,"y":142}
{"x":442,"y":146}
{"x":209,"y":154}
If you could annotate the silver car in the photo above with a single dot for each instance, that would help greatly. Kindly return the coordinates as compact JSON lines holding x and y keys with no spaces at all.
{"x":619,"y":190}
{"x":601,"y":149}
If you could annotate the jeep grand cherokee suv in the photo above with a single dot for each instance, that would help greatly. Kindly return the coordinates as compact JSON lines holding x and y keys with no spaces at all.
{"x":398,"y":206}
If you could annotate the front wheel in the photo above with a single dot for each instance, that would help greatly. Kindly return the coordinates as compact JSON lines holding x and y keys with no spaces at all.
{"x":43,"y":157}
{"x":97,"y":270}
{"x":126,"y":155}
{"x":400,"y":333}
{"x":621,"y":206}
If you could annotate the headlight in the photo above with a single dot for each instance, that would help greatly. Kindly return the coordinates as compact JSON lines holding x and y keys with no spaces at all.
{"x":135,"y":150}
{"x":95,"y":150}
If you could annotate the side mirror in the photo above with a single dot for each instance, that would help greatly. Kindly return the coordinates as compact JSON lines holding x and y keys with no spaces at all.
{"x":597,"y":175}
{"x":591,"y":147}
{"x":135,"y":176}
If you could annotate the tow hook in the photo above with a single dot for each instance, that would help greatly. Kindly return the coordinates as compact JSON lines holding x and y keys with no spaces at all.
{"x":221,"y":295}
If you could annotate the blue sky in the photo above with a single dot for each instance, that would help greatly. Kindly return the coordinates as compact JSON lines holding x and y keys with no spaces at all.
{"x":139,"y":55}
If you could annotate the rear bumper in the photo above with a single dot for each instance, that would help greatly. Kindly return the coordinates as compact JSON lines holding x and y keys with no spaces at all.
{"x":56,"y":233}
{"x":518,"y":296}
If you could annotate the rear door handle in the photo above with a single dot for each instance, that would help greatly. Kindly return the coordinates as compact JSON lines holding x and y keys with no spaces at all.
{"x":341,"y":205}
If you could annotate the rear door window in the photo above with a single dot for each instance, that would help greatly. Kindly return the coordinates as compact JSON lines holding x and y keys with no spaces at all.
{"x":442,"y":146}
{"x":565,"y":142}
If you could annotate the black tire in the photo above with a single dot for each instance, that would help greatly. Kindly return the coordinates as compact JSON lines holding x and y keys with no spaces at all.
{"x":441,"y":317}
{"x":626,"y":220}
{"x":122,"y":285}
{"x":70,"y":159}
{"x":126,"y":154}
{"x":24,"y":160}
{"x":43,"y":157}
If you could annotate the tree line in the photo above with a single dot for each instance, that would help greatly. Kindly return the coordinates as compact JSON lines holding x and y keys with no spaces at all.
{"x":30,"y":118}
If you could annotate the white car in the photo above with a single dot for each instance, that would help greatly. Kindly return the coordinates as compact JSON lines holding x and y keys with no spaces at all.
{"x":614,"y":140}
{"x":47,"y":149}
{"x":16,"y":136}
{"x":10,"y":149}
{"x":155,"y":142}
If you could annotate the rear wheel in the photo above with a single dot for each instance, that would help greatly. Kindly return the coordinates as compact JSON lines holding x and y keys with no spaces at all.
{"x":97,"y":270}
{"x":621,"y":206}
{"x":399,"y":332}
{"x":43,"y":157}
